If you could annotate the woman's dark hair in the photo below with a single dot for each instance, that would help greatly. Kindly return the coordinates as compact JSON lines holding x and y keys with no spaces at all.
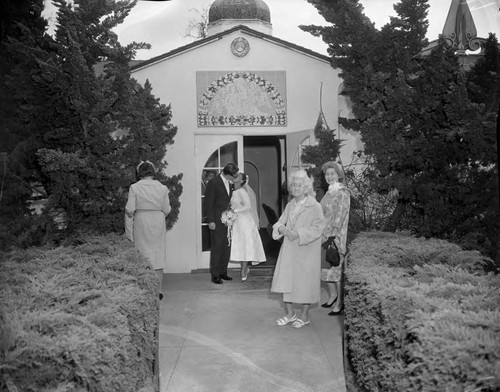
{"x":230,"y":169}
{"x":145,"y":169}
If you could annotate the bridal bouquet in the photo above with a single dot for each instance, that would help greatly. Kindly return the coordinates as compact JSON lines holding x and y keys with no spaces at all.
{"x":228,"y":217}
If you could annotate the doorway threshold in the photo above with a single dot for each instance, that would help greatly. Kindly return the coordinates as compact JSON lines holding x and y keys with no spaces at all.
{"x":257,"y":270}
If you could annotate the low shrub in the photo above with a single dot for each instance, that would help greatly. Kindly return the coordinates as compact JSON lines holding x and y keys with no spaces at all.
{"x":421,"y":315}
{"x":78,"y":318}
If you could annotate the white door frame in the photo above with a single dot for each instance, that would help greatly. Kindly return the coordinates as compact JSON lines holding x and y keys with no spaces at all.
{"x":205,"y":145}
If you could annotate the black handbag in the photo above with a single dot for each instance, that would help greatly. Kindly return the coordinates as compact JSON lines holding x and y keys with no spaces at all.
{"x":332,"y":255}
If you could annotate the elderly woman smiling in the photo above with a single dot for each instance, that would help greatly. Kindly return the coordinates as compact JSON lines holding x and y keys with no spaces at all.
{"x":297,"y":273}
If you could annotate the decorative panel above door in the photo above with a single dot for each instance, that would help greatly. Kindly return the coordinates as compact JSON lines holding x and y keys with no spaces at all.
{"x":241,"y":98}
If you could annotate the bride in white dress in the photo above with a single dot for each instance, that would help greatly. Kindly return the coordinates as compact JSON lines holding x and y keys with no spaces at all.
{"x":246,"y":245}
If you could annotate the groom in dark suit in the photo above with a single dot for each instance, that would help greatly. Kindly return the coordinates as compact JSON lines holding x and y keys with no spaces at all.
{"x":217,"y":197}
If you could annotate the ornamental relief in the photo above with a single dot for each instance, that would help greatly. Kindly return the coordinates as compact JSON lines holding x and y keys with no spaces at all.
{"x":240,"y":47}
{"x":241,"y":99}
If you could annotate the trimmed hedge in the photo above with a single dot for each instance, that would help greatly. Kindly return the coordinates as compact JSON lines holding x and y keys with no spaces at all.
{"x":421,"y":315}
{"x":78,"y":318}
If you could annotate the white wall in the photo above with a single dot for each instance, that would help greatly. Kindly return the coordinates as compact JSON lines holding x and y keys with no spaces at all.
{"x":174,"y":82}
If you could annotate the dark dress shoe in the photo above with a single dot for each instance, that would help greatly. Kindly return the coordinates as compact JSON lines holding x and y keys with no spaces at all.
{"x":336,"y":312}
{"x":225,"y":277}
{"x":161,"y":296}
{"x":216,"y":280}
{"x":328,"y":305}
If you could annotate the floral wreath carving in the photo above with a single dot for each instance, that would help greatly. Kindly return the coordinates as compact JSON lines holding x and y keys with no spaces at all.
{"x":240,"y":47}
{"x":278,"y":119}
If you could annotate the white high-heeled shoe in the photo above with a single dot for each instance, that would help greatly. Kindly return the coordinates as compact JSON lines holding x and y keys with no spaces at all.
{"x":244,"y":277}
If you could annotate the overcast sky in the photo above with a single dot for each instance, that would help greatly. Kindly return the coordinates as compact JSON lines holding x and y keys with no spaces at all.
{"x":164,"y":24}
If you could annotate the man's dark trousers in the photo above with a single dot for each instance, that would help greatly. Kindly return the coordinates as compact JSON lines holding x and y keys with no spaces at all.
{"x":216,"y":201}
{"x":220,"y":250}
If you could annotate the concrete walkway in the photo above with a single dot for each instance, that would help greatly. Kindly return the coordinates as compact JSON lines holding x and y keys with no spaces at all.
{"x":223,"y":338}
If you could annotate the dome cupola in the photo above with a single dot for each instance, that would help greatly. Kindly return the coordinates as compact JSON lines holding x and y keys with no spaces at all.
{"x":225,"y":14}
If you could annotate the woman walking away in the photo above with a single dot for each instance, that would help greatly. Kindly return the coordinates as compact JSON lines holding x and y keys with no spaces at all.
{"x":246,"y":245}
{"x":297,"y":272}
{"x":335,"y":204}
{"x":147,"y":206}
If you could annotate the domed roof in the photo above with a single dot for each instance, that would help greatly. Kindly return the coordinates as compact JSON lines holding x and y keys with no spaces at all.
{"x":239,"y":9}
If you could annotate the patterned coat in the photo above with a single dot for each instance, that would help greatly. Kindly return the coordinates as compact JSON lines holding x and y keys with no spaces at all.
{"x":335,"y":204}
{"x":297,"y":272}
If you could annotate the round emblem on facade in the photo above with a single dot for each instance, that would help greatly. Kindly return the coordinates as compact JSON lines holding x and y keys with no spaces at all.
{"x":240,"y":47}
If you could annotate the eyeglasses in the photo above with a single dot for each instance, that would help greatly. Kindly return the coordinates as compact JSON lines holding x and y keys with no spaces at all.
{"x":296,"y":185}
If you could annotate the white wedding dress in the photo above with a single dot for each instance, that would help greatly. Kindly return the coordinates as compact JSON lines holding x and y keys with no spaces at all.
{"x":246,"y":244}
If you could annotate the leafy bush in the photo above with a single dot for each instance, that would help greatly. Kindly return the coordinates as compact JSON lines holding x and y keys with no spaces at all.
{"x":78,"y":318}
{"x":421,"y":315}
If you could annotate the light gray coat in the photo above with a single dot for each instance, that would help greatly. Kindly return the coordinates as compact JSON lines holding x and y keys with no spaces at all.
{"x":297,"y":273}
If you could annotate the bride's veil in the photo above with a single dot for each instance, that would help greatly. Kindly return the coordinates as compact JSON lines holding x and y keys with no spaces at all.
{"x":253,"y":203}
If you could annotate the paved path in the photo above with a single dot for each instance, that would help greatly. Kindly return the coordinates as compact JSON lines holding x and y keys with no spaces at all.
{"x":223,"y":338}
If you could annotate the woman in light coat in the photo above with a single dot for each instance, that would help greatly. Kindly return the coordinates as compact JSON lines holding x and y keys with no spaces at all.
{"x":147,"y":206}
{"x":297,"y":273}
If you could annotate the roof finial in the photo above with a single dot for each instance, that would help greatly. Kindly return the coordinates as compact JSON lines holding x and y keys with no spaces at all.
{"x":459,"y":29}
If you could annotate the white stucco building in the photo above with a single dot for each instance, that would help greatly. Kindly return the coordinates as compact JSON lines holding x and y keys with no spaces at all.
{"x":240,"y":95}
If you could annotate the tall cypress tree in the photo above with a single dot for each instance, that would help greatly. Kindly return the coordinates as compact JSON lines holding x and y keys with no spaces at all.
{"x":483,"y":84}
{"x":87,"y":126}
{"x":21,"y":27}
{"x":427,"y":139}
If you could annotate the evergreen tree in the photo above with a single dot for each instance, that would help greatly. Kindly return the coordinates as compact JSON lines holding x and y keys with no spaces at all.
{"x":484,"y":77}
{"x":484,"y":89}
{"x":21,"y":27}
{"x":425,"y":137}
{"x":87,"y":127}
{"x":326,"y":149}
